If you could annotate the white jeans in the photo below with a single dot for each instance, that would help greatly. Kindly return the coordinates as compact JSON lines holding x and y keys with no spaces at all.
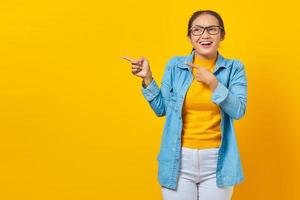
{"x":197,"y":178}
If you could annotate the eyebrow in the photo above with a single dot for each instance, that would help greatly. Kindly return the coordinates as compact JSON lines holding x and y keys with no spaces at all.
{"x":204,"y":26}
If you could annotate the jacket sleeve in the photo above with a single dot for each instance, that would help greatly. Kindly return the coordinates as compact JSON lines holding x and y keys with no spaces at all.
{"x":233,"y":99}
{"x":158,"y":97}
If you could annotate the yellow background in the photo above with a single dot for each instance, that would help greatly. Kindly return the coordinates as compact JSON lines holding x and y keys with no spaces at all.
{"x":73,"y":121}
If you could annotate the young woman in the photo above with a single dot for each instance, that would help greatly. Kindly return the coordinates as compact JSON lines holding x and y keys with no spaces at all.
{"x":200,"y":95}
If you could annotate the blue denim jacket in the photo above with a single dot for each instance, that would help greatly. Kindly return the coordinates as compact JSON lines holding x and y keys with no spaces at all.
{"x":231,"y":97}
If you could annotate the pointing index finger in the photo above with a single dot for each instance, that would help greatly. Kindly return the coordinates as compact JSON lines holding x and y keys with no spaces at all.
{"x":129,"y":59}
{"x":191,"y":64}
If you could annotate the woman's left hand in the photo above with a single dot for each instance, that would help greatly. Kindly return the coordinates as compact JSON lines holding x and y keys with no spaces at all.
{"x":205,"y":76}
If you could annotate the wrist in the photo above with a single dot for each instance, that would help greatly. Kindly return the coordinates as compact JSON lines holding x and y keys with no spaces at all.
{"x":147,"y":80}
{"x":213,"y":84}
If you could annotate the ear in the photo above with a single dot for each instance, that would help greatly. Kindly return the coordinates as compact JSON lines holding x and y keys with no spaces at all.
{"x":223,"y":38}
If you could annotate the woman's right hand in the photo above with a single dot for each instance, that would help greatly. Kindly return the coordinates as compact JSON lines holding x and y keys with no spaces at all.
{"x":140,"y":67}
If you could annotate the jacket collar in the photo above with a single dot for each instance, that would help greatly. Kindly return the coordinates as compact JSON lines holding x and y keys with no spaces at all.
{"x":189,"y":58}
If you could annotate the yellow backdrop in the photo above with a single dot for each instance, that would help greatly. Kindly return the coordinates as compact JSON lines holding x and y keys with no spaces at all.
{"x":73,"y":121}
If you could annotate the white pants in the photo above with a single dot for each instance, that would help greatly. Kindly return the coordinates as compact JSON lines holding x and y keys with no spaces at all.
{"x":197,"y":178}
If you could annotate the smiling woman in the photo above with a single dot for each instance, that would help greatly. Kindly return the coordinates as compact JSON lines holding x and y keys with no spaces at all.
{"x":213,"y":23}
{"x":200,"y":95}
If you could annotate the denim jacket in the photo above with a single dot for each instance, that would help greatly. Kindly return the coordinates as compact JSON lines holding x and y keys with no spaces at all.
{"x":231,"y":97}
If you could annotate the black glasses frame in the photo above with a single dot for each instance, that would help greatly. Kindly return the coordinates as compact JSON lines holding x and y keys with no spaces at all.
{"x":206,"y":27}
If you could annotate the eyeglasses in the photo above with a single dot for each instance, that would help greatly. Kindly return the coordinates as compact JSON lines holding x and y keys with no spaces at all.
{"x":199,"y":30}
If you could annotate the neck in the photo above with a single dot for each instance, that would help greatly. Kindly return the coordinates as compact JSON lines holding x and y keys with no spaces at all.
{"x":205,"y":57}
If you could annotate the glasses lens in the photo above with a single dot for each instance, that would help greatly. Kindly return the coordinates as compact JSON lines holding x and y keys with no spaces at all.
{"x":213,"y":30}
{"x":197,"y":30}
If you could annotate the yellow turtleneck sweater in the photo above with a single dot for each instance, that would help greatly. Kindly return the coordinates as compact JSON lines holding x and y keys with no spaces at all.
{"x":201,"y":117}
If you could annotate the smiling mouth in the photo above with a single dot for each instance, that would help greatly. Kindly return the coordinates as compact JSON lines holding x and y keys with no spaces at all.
{"x":206,"y":43}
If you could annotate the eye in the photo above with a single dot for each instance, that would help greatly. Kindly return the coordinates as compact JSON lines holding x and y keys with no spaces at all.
{"x":197,"y":29}
{"x":212,"y":28}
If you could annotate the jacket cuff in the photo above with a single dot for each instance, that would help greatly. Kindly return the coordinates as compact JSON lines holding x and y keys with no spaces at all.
{"x":220,"y":93}
{"x":151,"y":91}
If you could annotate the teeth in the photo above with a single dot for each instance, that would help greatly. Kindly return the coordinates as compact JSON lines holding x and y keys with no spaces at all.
{"x":206,"y":42}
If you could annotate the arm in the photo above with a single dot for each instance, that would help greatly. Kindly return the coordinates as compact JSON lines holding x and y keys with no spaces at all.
{"x":158,"y":97}
{"x":233,"y":99}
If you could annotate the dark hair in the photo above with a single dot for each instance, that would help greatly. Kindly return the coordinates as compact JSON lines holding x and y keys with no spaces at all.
{"x":202,"y":12}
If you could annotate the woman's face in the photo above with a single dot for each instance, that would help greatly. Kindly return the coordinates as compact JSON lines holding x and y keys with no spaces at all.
{"x":205,"y":51}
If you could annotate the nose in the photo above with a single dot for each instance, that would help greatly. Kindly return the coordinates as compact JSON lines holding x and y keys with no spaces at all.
{"x":205,"y":34}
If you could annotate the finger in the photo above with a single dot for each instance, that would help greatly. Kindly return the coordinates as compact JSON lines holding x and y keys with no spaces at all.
{"x":129,"y":59}
{"x":142,"y":59}
{"x":136,"y":63}
{"x":136,"y":67}
{"x":135,"y":70}
{"x":191,"y":64}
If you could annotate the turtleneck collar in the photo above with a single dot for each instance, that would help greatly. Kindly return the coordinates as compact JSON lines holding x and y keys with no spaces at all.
{"x":208,"y":63}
